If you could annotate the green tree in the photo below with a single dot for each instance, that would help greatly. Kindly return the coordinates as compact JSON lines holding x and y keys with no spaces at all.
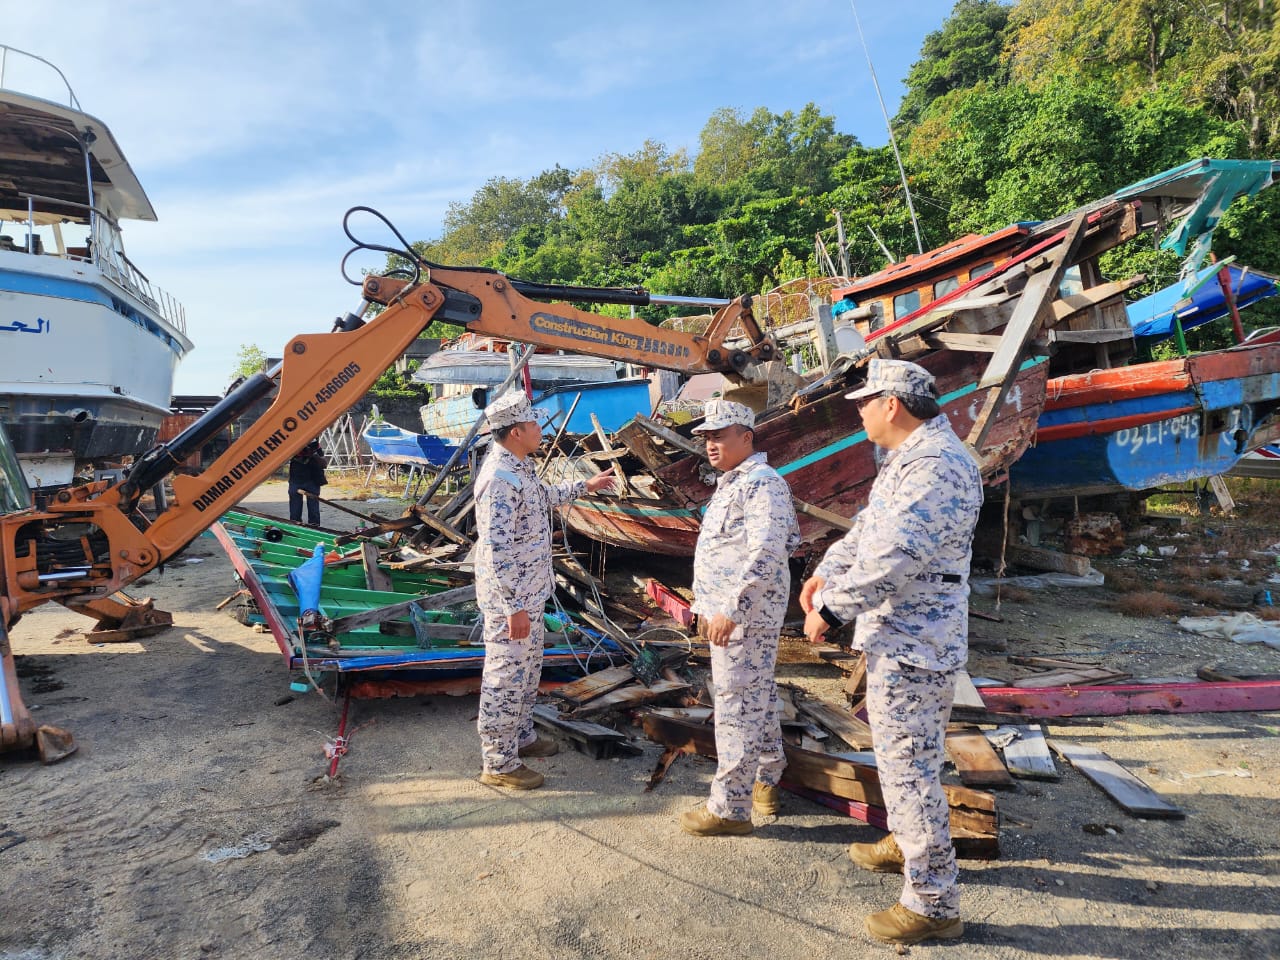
{"x":966,"y":51}
{"x":250,"y":359}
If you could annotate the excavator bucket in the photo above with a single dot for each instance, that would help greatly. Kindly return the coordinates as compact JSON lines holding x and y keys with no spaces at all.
{"x":129,"y":620}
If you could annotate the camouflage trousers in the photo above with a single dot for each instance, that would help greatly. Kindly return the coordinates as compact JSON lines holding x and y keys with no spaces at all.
{"x":508,"y":688}
{"x":748,"y":720}
{"x":908,"y":708}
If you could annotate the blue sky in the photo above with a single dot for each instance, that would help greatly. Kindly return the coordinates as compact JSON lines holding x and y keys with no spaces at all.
{"x":254,"y":125}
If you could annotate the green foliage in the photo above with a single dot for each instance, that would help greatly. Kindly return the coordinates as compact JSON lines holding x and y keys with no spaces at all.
{"x":966,"y":51}
{"x":400,"y":386}
{"x":250,"y":359}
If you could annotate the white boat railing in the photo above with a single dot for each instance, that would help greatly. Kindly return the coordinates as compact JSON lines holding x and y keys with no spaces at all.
{"x":106,"y":252}
{"x":6,"y":50}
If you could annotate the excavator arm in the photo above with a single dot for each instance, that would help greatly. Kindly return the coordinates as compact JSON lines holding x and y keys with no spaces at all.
{"x":486,"y":302}
{"x":91,"y":541}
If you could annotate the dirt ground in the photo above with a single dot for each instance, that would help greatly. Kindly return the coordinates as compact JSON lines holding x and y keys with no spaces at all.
{"x":191,"y":743}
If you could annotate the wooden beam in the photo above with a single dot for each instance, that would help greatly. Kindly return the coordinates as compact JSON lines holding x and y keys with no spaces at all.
{"x":833,"y":520}
{"x":443,"y":527}
{"x":383,"y":527}
{"x":1041,"y":558}
{"x":1135,"y":698}
{"x":375,"y":577}
{"x":1029,"y":315}
{"x":968,"y":342}
{"x":673,"y":438}
{"x":1088,"y":336}
{"x":432,"y":601}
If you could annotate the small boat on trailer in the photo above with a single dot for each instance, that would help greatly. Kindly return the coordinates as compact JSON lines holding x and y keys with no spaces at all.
{"x":372,"y":620}
{"x":88,"y":346}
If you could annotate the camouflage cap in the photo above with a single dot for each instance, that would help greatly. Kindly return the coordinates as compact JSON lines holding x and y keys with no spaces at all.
{"x":898,"y":377}
{"x":512,"y":408}
{"x":725,"y":413}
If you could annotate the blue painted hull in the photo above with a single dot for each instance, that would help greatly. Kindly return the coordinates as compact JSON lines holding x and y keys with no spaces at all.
{"x":1161,"y":423}
{"x":390,"y":444}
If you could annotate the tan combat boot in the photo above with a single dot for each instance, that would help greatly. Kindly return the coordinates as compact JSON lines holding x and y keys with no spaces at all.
{"x":521,"y":778}
{"x":883,"y":856}
{"x":703,"y":823}
{"x":542,"y":747}
{"x":765,"y":799}
{"x":900,"y":925}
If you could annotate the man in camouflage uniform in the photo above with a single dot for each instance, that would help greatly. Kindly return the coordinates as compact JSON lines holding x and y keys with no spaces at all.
{"x":513,"y":583}
{"x":902,"y":571}
{"x":740,"y":585}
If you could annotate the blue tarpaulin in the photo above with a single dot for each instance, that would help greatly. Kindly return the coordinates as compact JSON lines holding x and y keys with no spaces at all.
{"x":1153,"y":316}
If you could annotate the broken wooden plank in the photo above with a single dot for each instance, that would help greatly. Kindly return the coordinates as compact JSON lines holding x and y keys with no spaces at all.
{"x":1028,"y":756}
{"x":641,"y":445}
{"x":1075,"y":677}
{"x":839,"y":721}
{"x":975,"y":759}
{"x":1130,"y":793}
{"x":375,"y":577}
{"x":968,"y":845}
{"x":383,"y":527}
{"x":966,"y":694}
{"x":971,"y":810}
{"x":632,"y":696}
{"x":442,"y":527}
{"x":430,"y":601}
{"x":595,"y":684}
{"x":593,"y":739}
{"x":1133,"y":698}
{"x":673,"y":438}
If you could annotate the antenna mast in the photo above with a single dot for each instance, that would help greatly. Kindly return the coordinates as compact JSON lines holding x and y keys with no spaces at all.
{"x":888,"y":126}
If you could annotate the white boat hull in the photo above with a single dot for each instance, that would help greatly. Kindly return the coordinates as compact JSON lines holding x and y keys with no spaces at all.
{"x":86,"y":370}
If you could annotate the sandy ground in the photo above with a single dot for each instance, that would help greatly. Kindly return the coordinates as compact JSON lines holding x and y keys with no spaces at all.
{"x":189,"y":743}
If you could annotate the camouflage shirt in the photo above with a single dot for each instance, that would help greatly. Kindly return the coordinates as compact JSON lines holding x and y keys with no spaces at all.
{"x":747,"y":533}
{"x":513,"y":538}
{"x":903,"y":569}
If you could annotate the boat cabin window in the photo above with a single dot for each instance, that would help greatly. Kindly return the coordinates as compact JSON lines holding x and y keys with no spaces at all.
{"x":905,"y":303}
{"x":982,"y":269}
{"x":945,"y":286}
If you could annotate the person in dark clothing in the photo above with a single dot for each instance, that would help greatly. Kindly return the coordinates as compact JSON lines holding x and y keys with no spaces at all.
{"x":306,"y":475}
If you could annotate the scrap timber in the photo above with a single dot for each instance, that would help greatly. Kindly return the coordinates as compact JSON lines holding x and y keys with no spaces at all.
{"x":852,"y":787}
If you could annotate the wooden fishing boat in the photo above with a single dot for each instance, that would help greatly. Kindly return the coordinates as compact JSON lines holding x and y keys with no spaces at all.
{"x":984,"y":341}
{"x":982,"y":314}
{"x":363,"y":622}
{"x":1151,"y":424}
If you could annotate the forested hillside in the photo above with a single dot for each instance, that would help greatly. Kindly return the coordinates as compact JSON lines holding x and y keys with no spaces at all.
{"x":1013,"y":112}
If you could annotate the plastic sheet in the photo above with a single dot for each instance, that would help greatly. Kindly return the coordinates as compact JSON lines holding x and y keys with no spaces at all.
{"x":1236,"y":627}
